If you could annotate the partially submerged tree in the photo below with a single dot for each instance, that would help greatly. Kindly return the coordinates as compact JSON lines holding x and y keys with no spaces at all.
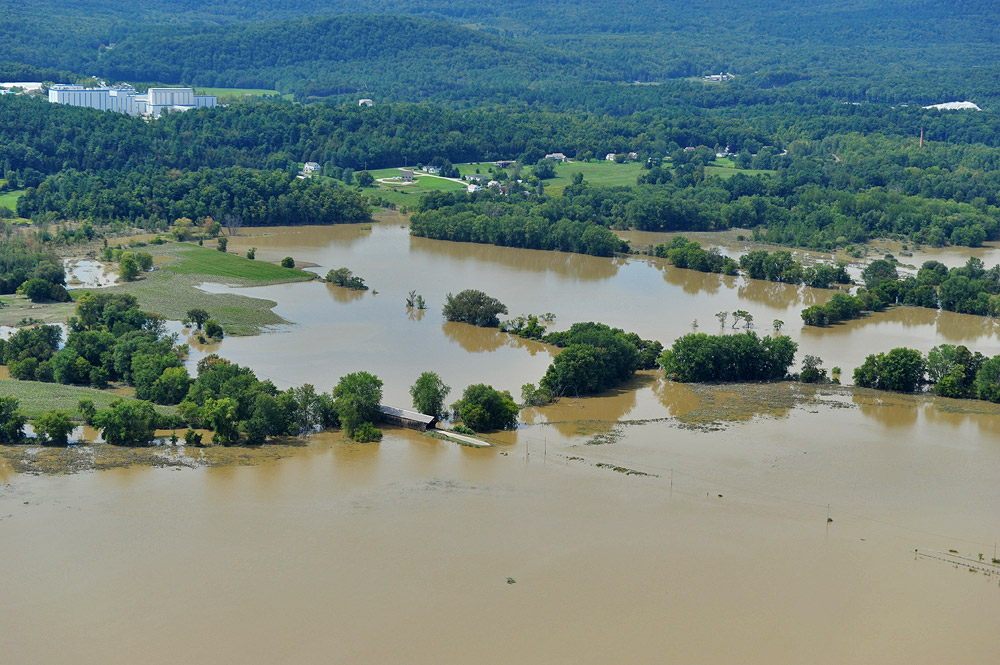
{"x":12,"y":420}
{"x":475,"y":307}
{"x":429,"y":393}
{"x":232,"y":222}
{"x":53,"y":428}
{"x":357,"y":397}
{"x":483,"y":408}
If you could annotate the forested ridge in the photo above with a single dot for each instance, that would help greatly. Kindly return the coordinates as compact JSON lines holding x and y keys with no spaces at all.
{"x":861,"y":50}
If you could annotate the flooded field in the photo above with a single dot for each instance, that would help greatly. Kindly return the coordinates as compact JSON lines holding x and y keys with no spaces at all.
{"x":656,"y":523}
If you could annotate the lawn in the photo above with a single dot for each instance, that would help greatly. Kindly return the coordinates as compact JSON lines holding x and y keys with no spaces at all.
{"x":35,"y":398}
{"x":235,"y":92}
{"x":409,"y":195}
{"x":9,"y":199}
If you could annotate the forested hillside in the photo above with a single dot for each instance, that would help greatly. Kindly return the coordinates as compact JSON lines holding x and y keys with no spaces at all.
{"x":919,"y":51}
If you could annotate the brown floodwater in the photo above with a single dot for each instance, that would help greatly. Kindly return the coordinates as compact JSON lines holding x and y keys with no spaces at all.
{"x":656,"y":523}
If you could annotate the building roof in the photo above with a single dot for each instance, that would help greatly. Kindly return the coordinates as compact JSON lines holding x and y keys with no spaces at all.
{"x":406,"y":413}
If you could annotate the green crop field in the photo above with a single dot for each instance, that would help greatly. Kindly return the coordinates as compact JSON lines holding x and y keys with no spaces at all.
{"x":35,"y":398}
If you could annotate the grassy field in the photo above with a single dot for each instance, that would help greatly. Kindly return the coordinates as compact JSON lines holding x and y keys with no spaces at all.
{"x":236,"y":92}
{"x":171,"y":289}
{"x":9,"y":199}
{"x":187,"y":259}
{"x":15,"y":308}
{"x":36,"y":398}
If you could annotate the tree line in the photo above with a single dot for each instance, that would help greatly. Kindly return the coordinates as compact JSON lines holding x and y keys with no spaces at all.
{"x":148,"y":196}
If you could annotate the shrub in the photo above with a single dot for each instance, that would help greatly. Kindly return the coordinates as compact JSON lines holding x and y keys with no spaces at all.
{"x":367,"y":433}
{"x":288,"y":262}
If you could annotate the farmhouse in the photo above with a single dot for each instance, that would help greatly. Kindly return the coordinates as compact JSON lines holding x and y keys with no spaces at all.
{"x":556,"y":157}
{"x":406,"y":418}
{"x":365,"y":102}
{"x":406,"y":175}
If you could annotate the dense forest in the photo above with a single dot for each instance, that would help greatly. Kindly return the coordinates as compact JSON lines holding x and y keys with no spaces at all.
{"x":258,"y":198}
{"x":861,"y":50}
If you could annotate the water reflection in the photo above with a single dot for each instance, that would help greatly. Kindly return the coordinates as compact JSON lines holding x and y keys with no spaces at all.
{"x":476,"y":339}
{"x":694,"y":282}
{"x":889,"y":411}
{"x":564,"y":264}
{"x":343,"y":294}
{"x":773,"y":294}
{"x":677,"y":398}
{"x":599,"y":414}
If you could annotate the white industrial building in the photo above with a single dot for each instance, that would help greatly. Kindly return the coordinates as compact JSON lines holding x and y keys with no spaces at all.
{"x":125,"y":99}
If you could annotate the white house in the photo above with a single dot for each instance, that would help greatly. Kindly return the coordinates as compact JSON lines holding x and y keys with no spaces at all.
{"x":309,"y":168}
{"x":610,"y":157}
{"x":365,"y":102}
{"x":556,"y":157}
{"x":473,"y":188}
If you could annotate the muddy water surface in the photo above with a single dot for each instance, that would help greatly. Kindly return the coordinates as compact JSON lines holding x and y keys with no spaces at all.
{"x":656,"y":523}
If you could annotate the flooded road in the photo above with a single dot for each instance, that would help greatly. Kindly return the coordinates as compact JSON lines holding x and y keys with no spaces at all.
{"x":656,"y":523}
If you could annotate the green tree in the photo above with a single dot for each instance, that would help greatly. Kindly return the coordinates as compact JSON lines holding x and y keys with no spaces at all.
{"x":127,"y":423}
{"x":171,"y":387}
{"x":213,"y":329}
{"x":475,"y":307}
{"x":220,"y":416}
{"x":128,"y":267}
{"x":198,"y":317}
{"x":988,"y":380}
{"x":900,"y":370}
{"x":288,"y":262}
{"x":223,"y":244}
{"x":812,"y":371}
{"x":483,"y":408}
{"x":53,"y":428}
{"x":429,"y":393}
{"x":365,"y":179}
{"x":12,"y":420}
{"x":877,"y":272}
{"x":357,"y":397}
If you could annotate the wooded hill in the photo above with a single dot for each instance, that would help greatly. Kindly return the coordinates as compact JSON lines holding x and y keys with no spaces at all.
{"x":896,"y":51}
